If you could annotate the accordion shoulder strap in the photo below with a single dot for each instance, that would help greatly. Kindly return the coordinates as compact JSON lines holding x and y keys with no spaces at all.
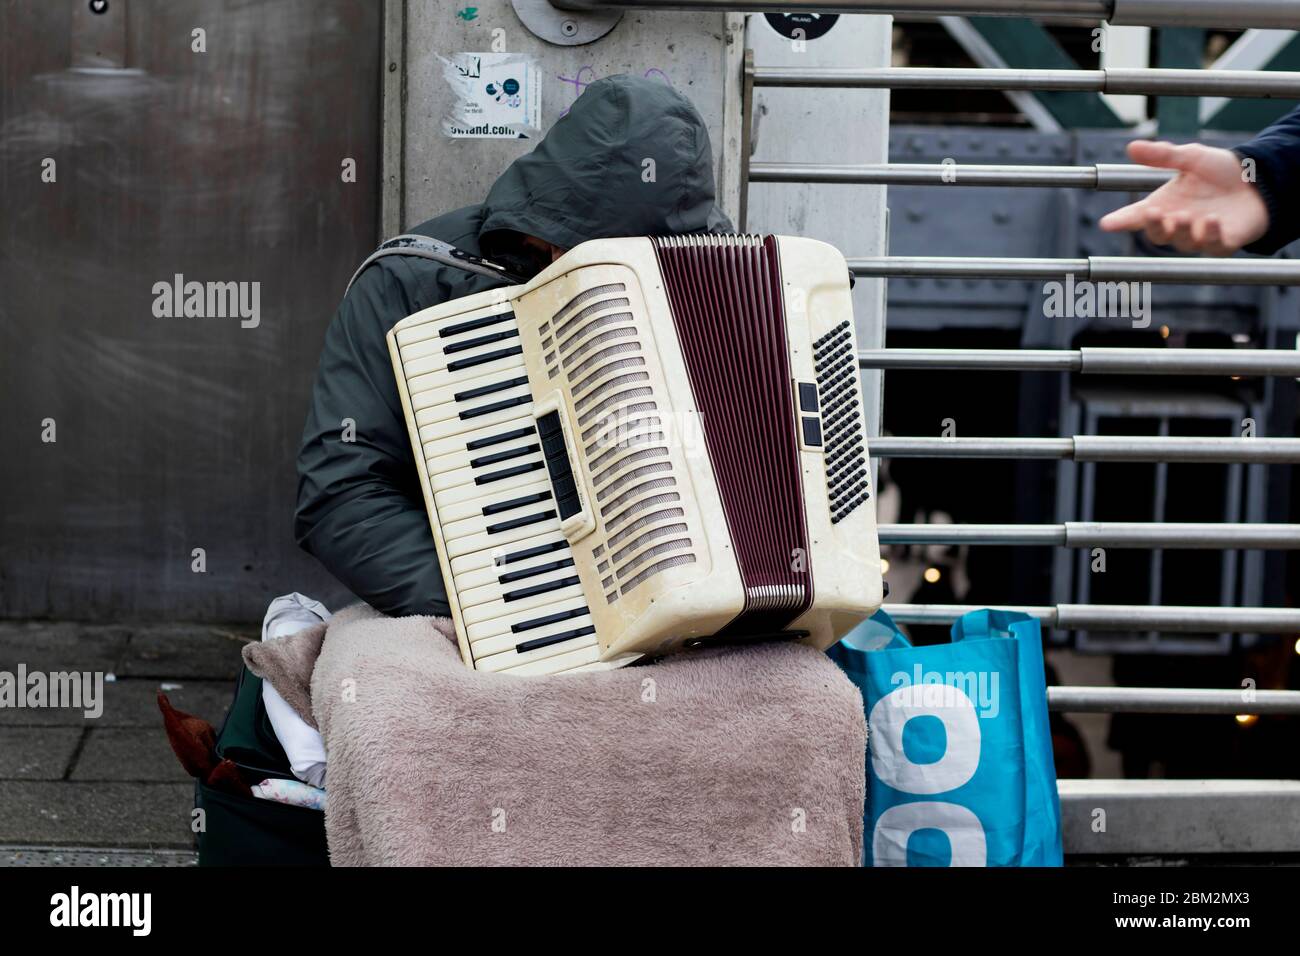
{"x":443,"y":253}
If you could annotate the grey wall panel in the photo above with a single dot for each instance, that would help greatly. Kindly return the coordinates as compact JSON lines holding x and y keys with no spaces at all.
{"x":828,"y":126}
{"x":223,"y":166}
{"x":698,"y":54}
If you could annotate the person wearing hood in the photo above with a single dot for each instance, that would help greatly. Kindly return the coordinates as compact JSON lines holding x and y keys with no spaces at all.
{"x":360,"y":509}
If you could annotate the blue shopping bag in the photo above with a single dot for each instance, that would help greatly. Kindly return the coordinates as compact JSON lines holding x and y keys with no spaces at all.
{"x":959,"y":769}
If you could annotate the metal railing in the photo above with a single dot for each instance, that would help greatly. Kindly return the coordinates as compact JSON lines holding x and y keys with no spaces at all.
{"x":1194,"y":271}
{"x":1141,"y":82}
{"x":1103,"y":177}
{"x":1228,"y":14}
{"x":1239,"y":363}
{"x":1130,"y":448}
{"x":1228,"y":809}
{"x":1099,"y":534}
{"x":1122,"y":617}
{"x":1172,"y":700}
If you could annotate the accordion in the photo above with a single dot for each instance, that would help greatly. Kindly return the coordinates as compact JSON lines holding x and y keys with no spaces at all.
{"x":656,"y":443}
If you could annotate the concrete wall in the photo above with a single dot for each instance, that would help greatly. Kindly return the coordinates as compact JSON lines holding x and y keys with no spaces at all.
{"x":172,"y":433}
{"x":698,"y":54}
{"x":828,"y":126}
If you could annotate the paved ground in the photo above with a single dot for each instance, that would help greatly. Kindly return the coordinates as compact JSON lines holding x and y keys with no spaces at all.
{"x":108,"y":790}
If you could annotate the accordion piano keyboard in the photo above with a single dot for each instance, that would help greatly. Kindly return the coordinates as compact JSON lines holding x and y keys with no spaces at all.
{"x":521,"y":607}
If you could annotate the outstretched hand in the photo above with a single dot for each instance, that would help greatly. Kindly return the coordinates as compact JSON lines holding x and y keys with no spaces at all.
{"x":1210,"y":207}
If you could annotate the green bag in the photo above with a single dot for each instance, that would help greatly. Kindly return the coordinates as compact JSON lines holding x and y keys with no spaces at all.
{"x":246,"y":831}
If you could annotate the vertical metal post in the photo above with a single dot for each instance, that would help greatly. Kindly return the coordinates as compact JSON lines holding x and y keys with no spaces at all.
{"x":746,"y":135}
{"x":392,"y":193}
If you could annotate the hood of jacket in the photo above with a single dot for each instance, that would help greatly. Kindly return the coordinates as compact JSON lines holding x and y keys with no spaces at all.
{"x":631,"y":158}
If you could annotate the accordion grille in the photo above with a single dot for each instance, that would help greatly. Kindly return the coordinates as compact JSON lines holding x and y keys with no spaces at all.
{"x":727,"y":305}
{"x":600,"y":353}
{"x":846,"y":456}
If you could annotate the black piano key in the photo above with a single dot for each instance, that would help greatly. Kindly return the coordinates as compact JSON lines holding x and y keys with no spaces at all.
{"x":508,"y":473}
{"x":505,"y":403}
{"x":520,"y":522}
{"x":471,"y":324}
{"x":535,"y":570}
{"x":532,"y":552}
{"x":553,"y":639}
{"x":543,"y":588}
{"x":498,"y":507}
{"x":490,"y":389}
{"x":474,"y":343}
{"x":462,"y":364}
{"x":478,"y":443}
{"x":546,"y":619}
{"x":500,"y":456}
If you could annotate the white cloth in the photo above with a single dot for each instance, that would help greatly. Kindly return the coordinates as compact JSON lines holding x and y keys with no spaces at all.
{"x":292,"y":792}
{"x":289,"y":614}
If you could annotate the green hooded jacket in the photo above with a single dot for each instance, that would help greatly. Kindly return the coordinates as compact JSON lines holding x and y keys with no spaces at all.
{"x":360,"y":508}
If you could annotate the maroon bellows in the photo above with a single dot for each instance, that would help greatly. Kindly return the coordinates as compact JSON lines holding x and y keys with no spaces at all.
{"x":727,"y":306}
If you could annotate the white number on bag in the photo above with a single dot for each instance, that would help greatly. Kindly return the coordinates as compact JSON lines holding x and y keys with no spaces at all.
{"x":963,"y":829}
{"x":960,"y":722}
{"x":960,"y":760}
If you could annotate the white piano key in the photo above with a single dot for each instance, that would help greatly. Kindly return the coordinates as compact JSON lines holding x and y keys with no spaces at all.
{"x":470,"y":428}
{"x":468,"y":501}
{"x":437,"y":404}
{"x":526,"y":665}
{"x":450,"y":471}
{"x":502,"y":367}
{"x":489,"y":574}
{"x":494,"y":437}
{"x":504,"y":647}
{"x":461,"y":353}
{"x":544,"y":620}
{"x":468,"y":543}
{"x":495,"y":606}
{"x":539,"y":542}
{"x":411,"y":339}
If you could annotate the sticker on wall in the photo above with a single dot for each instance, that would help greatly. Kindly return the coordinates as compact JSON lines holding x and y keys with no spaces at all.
{"x":494,"y":96}
{"x":813,"y":25}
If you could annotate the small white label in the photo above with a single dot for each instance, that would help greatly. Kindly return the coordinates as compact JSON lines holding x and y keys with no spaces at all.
{"x":494,"y":96}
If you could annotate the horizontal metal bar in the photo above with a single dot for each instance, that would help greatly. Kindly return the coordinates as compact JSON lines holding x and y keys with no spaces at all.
{"x":1153,"y":448}
{"x":1143,"y":82}
{"x":1138,"y":448}
{"x":1094,"y":361}
{"x":1083,"y":9}
{"x":1122,"y":617}
{"x":1113,"y":178}
{"x":1178,"y":271}
{"x":928,"y":447}
{"x":1179,"y":817}
{"x":1100,"y":534}
{"x":1238,"y":362}
{"x":1026,"y":360}
{"x":1171,"y":700}
{"x":1228,"y":14}
{"x":932,"y":267}
{"x":927,"y":534}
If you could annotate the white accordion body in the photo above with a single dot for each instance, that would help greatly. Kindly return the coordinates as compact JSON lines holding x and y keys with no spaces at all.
{"x":654,"y":443}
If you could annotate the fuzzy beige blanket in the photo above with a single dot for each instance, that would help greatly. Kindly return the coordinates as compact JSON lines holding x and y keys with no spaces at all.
{"x":744,"y":756}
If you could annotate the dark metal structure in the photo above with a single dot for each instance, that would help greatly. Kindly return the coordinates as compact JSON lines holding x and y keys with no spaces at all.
{"x":141,"y":142}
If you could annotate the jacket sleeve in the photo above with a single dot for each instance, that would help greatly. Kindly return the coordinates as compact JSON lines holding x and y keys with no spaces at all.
{"x":1276,"y":154}
{"x":360,"y":508}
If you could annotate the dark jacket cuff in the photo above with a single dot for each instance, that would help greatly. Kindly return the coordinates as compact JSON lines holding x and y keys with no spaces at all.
{"x":1283,"y":228}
